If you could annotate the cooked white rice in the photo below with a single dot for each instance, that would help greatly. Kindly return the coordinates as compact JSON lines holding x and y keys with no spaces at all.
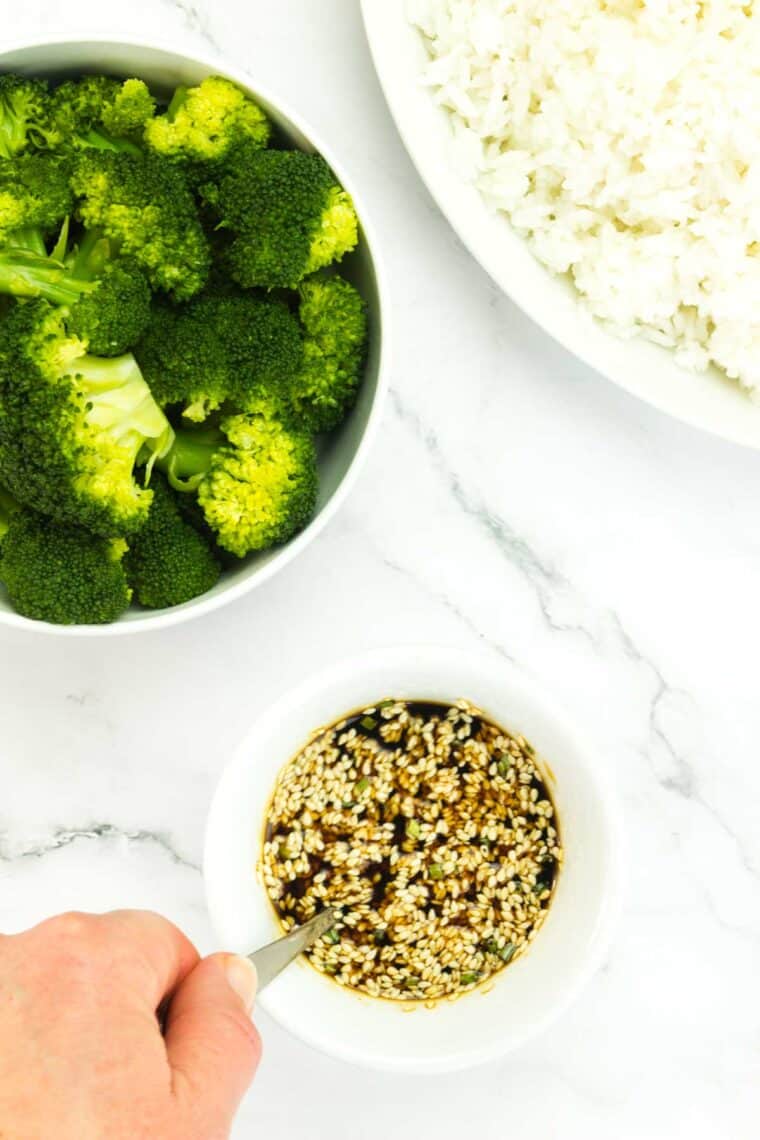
{"x":623,"y":140}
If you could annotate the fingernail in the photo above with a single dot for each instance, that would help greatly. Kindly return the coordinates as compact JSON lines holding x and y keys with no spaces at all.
{"x":241,"y":975}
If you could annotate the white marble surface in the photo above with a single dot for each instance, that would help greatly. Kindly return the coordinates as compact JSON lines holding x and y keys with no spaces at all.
{"x":515,"y":499}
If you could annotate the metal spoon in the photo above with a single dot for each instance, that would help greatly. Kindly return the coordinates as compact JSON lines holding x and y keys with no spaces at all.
{"x":272,"y":959}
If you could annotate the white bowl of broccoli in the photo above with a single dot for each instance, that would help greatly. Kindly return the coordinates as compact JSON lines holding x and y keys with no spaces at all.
{"x":192,"y":336}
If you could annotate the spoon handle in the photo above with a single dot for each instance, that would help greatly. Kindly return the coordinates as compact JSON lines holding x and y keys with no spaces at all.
{"x":272,"y":959}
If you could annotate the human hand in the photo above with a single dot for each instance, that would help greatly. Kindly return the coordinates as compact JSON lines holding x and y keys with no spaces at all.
{"x":82,"y":1053}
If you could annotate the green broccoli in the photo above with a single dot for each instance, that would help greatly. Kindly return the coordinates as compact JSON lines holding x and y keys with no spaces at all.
{"x":99,"y":112}
{"x":24,"y":111}
{"x":219,"y":349}
{"x":114,"y":313}
{"x":256,"y":478}
{"x":288,"y":215}
{"x":202,"y":124}
{"x":60,"y":574}
{"x":35,"y":198}
{"x":72,"y":425}
{"x":145,"y":207}
{"x":334,"y":319}
{"x":129,"y":111}
{"x":107,"y":301}
{"x":24,"y":273}
{"x":168,"y":562}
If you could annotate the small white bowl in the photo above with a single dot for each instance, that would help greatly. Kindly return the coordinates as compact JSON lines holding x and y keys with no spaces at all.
{"x":527,"y":995}
{"x":345,"y":449}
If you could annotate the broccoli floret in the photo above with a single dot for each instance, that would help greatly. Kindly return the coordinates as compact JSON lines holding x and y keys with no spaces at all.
{"x":145,"y":207}
{"x":112,"y":317}
{"x":334,"y":319}
{"x":219,"y":349}
{"x":131,"y":109}
{"x":288,"y":215}
{"x":114,"y":313}
{"x":256,"y":478}
{"x":168,"y":562}
{"x":24,"y":114}
{"x":35,"y":198}
{"x":73,"y":425}
{"x":107,"y":301}
{"x":202,"y":124}
{"x":98,"y":112}
{"x":60,"y":574}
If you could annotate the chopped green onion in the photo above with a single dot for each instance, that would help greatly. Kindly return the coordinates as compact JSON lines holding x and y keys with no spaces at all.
{"x":362,"y":785}
{"x":368,"y":722}
{"x":508,"y":952}
{"x":470,"y":977}
{"x":411,"y":983}
{"x":332,"y":936}
{"x":386,"y":704}
{"x":435,"y":870}
{"x":413,"y":829}
{"x":504,"y":764}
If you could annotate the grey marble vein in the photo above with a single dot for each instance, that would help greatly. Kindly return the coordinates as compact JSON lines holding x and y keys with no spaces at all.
{"x":195,"y":19}
{"x":65,"y":836}
{"x":543,"y":577}
{"x":739,"y":929}
{"x":682,"y":780}
{"x":450,"y":605}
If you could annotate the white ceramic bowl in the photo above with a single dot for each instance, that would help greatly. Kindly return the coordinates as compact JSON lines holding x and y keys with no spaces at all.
{"x":709,"y":401}
{"x":343,"y":453}
{"x":527,"y":995}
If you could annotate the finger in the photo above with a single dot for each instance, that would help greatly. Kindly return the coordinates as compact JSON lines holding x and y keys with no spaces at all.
{"x":212,"y":1044}
{"x":153,"y":946}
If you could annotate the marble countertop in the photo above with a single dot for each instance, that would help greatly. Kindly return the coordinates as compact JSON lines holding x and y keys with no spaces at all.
{"x":514,"y":499}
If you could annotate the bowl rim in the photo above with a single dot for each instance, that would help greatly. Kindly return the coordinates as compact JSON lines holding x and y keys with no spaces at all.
{"x":218,"y":63}
{"x":320,"y":683}
{"x":710,"y":402}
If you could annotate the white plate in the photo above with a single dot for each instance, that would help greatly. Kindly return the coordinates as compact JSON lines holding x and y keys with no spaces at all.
{"x":528,"y":995}
{"x":709,"y":401}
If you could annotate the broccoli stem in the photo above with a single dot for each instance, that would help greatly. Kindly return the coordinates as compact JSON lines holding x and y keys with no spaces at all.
{"x":99,"y":140}
{"x":91,"y":257}
{"x":28,"y":238}
{"x":26,"y":270}
{"x":178,"y":100}
{"x":12,"y":132}
{"x":189,"y":460}
{"x":25,"y":273}
{"x":119,"y":404}
{"x":59,"y":250}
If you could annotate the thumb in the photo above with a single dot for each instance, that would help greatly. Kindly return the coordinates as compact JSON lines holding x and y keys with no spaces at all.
{"x":212,"y":1045}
